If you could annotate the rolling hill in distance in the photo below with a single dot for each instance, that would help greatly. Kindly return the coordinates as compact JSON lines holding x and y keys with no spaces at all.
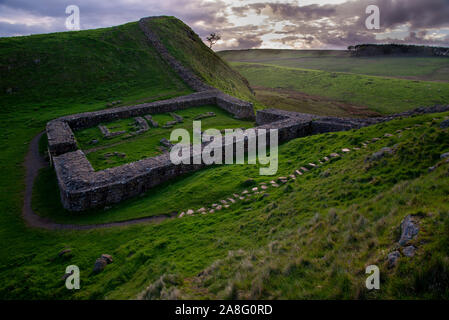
{"x":337,"y":83}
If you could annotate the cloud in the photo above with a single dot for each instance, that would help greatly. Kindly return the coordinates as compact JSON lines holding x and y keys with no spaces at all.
{"x":340,"y":25}
{"x":249,"y":23}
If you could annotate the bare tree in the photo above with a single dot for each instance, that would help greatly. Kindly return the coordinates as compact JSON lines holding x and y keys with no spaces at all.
{"x":213,"y":38}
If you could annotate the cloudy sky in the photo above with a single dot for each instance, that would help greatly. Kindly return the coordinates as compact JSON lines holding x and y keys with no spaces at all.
{"x":244,"y":24}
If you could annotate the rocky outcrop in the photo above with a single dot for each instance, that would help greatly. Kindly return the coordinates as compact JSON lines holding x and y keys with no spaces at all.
{"x":409,"y":230}
{"x":101,"y":263}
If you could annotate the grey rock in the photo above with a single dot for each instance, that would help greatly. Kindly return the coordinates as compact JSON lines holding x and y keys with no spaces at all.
{"x":107,"y":257}
{"x":169,"y":124}
{"x":142,"y":125}
{"x":445,"y":155}
{"x":177,"y":117}
{"x":205,"y":115}
{"x":409,"y":251}
{"x":100,"y":264}
{"x":166,"y":143}
{"x":153,"y":123}
{"x":393,"y":258}
{"x":381,"y":153}
{"x":94,"y":141}
{"x":409,"y":230}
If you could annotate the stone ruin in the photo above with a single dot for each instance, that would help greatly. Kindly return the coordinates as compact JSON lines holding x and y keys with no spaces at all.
{"x":82,"y":188}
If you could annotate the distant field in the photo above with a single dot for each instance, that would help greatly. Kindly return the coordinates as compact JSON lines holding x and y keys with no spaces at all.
{"x":379,"y":94}
{"x":421,"y":68}
{"x":130,"y":148}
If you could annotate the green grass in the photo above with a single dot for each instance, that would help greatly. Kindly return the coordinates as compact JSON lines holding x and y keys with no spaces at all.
{"x":308,"y":239}
{"x":383,"y":95}
{"x":419,"y":68}
{"x":77,"y":72}
{"x":295,"y":246}
{"x":147,"y":144}
{"x":89,"y":66}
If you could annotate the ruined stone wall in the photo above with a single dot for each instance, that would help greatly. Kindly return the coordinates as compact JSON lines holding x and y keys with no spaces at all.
{"x":61,"y":138}
{"x":82,"y":188}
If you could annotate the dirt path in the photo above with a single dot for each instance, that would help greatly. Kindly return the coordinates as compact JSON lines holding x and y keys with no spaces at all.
{"x":33,"y":163}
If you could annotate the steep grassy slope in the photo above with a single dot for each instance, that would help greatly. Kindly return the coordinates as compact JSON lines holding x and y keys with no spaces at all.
{"x":86,"y":66}
{"x":188,"y":48}
{"x":147,"y":144}
{"x":384,"y":95}
{"x":311,"y":238}
{"x":419,"y":68}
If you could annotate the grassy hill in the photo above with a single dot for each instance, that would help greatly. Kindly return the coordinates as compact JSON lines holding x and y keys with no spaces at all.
{"x":89,"y":66}
{"x":327,"y":82}
{"x":187,"y":47}
{"x":413,"y":68}
{"x":379,"y":94}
